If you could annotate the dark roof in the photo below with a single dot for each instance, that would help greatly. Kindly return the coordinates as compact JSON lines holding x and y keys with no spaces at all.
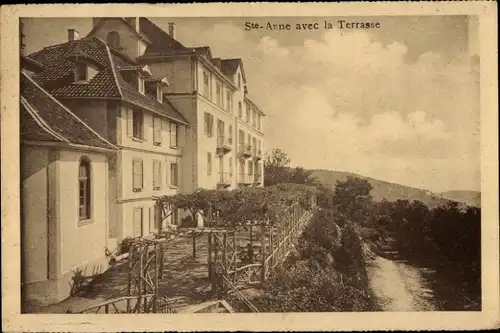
{"x":31,"y":64}
{"x":230,"y":66}
{"x":203,"y":50}
{"x":58,"y":77}
{"x":162,"y":42}
{"x":43,"y":118}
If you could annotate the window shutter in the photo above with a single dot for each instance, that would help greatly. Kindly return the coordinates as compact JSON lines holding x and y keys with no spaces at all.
{"x":138,"y":222}
{"x":145,"y":127}
{"x":130,"y":122}
{"x":152,"y":226}
{"x":173,"y":135}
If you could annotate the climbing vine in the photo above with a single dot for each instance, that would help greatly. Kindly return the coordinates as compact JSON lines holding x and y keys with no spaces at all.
{"x":233,"y":208}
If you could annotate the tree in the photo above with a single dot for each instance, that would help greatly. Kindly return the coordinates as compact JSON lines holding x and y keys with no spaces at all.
{"x":352,"y":198}
{"x":276,"y":167}
{"x":302,"y":176}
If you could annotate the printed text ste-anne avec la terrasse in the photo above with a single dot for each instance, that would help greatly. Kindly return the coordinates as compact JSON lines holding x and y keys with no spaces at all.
{"x":341,"y":24}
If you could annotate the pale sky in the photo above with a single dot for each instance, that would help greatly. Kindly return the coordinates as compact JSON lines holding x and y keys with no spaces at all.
{"x":399,"y":103}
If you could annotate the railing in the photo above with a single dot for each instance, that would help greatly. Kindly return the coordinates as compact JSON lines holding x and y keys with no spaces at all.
{"x":257,"y":153}
{"x":244,"y":178}
{"x":225,"y":178}
{"x":143,"y":304}
{"x":245,"y":150}
{"x":239,"y":296}
{"x":224,"y":142}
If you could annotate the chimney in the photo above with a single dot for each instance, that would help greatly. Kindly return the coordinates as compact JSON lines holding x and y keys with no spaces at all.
{"x":72,"y":35}
{"x":171,"y":29}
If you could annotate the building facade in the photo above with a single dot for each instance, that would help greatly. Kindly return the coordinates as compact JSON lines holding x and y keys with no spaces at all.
{"x":225,"y":142}
{"x":130,"y":114}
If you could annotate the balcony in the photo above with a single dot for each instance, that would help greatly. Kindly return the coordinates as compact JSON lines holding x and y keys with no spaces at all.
{"x":257,"y":179}
{"x":224,"y":145}
{"x":245,"y":179}
{"x":225,"y":180}
{"x":257,"y":154}
{"x":245,"y":151}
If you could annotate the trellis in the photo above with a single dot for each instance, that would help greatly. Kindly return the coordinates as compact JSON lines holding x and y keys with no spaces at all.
{"x":145,"y":271}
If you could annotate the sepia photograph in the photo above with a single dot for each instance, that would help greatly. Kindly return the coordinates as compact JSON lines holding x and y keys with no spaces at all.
{"x":251,"y":164}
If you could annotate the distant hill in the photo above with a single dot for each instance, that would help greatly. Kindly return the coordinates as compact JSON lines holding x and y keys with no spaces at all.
{"x":392,"y":192}
{"x":471,"y":198}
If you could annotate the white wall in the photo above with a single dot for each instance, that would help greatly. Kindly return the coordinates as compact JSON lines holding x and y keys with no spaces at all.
{"x":34,"y":163}
{"x":82,"y":243}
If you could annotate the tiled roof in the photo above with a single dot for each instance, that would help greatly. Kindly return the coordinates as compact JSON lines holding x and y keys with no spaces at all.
{"x":132,"y":96}
{"x":31,"y":64}
{"x":43,"y":118}
{"x":162,"y":41}
{"x":58,"y":78}
{"x":230,"y":66}
{"x":103,"y":84}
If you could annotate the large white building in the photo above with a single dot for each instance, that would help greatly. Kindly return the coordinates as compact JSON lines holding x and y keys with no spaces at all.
{"x":157,"y":118}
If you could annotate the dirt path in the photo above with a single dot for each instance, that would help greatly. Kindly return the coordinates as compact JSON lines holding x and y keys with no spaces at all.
{"x":399,"y":287}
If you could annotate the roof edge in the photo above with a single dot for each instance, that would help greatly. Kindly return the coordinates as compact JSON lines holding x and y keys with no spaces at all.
{"x":71,"y":113}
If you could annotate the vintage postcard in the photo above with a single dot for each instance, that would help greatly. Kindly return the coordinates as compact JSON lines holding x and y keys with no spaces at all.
{"x":250,"y":167}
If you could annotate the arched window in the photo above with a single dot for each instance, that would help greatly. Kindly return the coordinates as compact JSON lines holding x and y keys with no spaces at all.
{"x":114,"y":40}
{"x":84,"y":181}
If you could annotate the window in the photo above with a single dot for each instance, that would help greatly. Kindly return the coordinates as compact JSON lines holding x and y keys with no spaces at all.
{"x":258,"y":121}
{"x":209,"y":124}
{"x":173,"y":135}
{"x":242,"y":167}
{"x":84,"y":180}
{"x":206,"y":85}
{"x":138,"y":231}
{"x":159,"y":93}
{"x":137,"y":120}
{"x":141,"y":85}
{"x":174,"y":181}
{"x":240,"y":110}
{"x":247,"y":109}
{"x":156,"y":175}
{"x":231,"y":165}
{"x":80,"y":72}
{"x":250,"y":167}
{"x":254,"y":144}
{"x":230,"y":136}
{"x":220,"y":130}
{"x":257,"y":168}
{"x":218,"y":94}
{"x":253,"y":117}
{"x":138,"y":176}
{"x":239,"y":80}
{"x":242,"y":138}
{"x":229,"y":106}
{"x":209,"y":164}
{"x":113,"y":40}
{"x":174,"y":217}
{"x":249,"y":142}
{"x":157,"y":131}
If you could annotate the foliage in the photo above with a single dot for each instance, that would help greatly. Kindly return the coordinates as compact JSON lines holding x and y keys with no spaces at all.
{"x":232,"y":208}
{"x":352,"y":198}
{"x":277,"y":170}
{"x":328,"y":272}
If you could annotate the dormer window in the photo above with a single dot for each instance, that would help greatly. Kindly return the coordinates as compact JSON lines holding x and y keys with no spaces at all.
{"x":81,"y":72}
{"x":141,"y":85}
{"x":113,"y":40}
{"x":159,"y":93}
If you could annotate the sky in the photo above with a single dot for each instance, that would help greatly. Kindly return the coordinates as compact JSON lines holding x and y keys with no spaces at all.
{"x":399,"y":103}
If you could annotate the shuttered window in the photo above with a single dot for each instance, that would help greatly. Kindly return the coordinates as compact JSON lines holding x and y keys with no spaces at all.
{"x":138,"y":227}
{"x":174,"y":181}
{"x":209,"y":164}
{"x":156,"y":175}
{"x":137,"y":175}
{"x":173,"y":135}
{"x":157,"y":131}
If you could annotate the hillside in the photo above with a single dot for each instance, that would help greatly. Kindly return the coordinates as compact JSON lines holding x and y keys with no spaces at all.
{"x":393,"y":192}
{"x":471,"y":198}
